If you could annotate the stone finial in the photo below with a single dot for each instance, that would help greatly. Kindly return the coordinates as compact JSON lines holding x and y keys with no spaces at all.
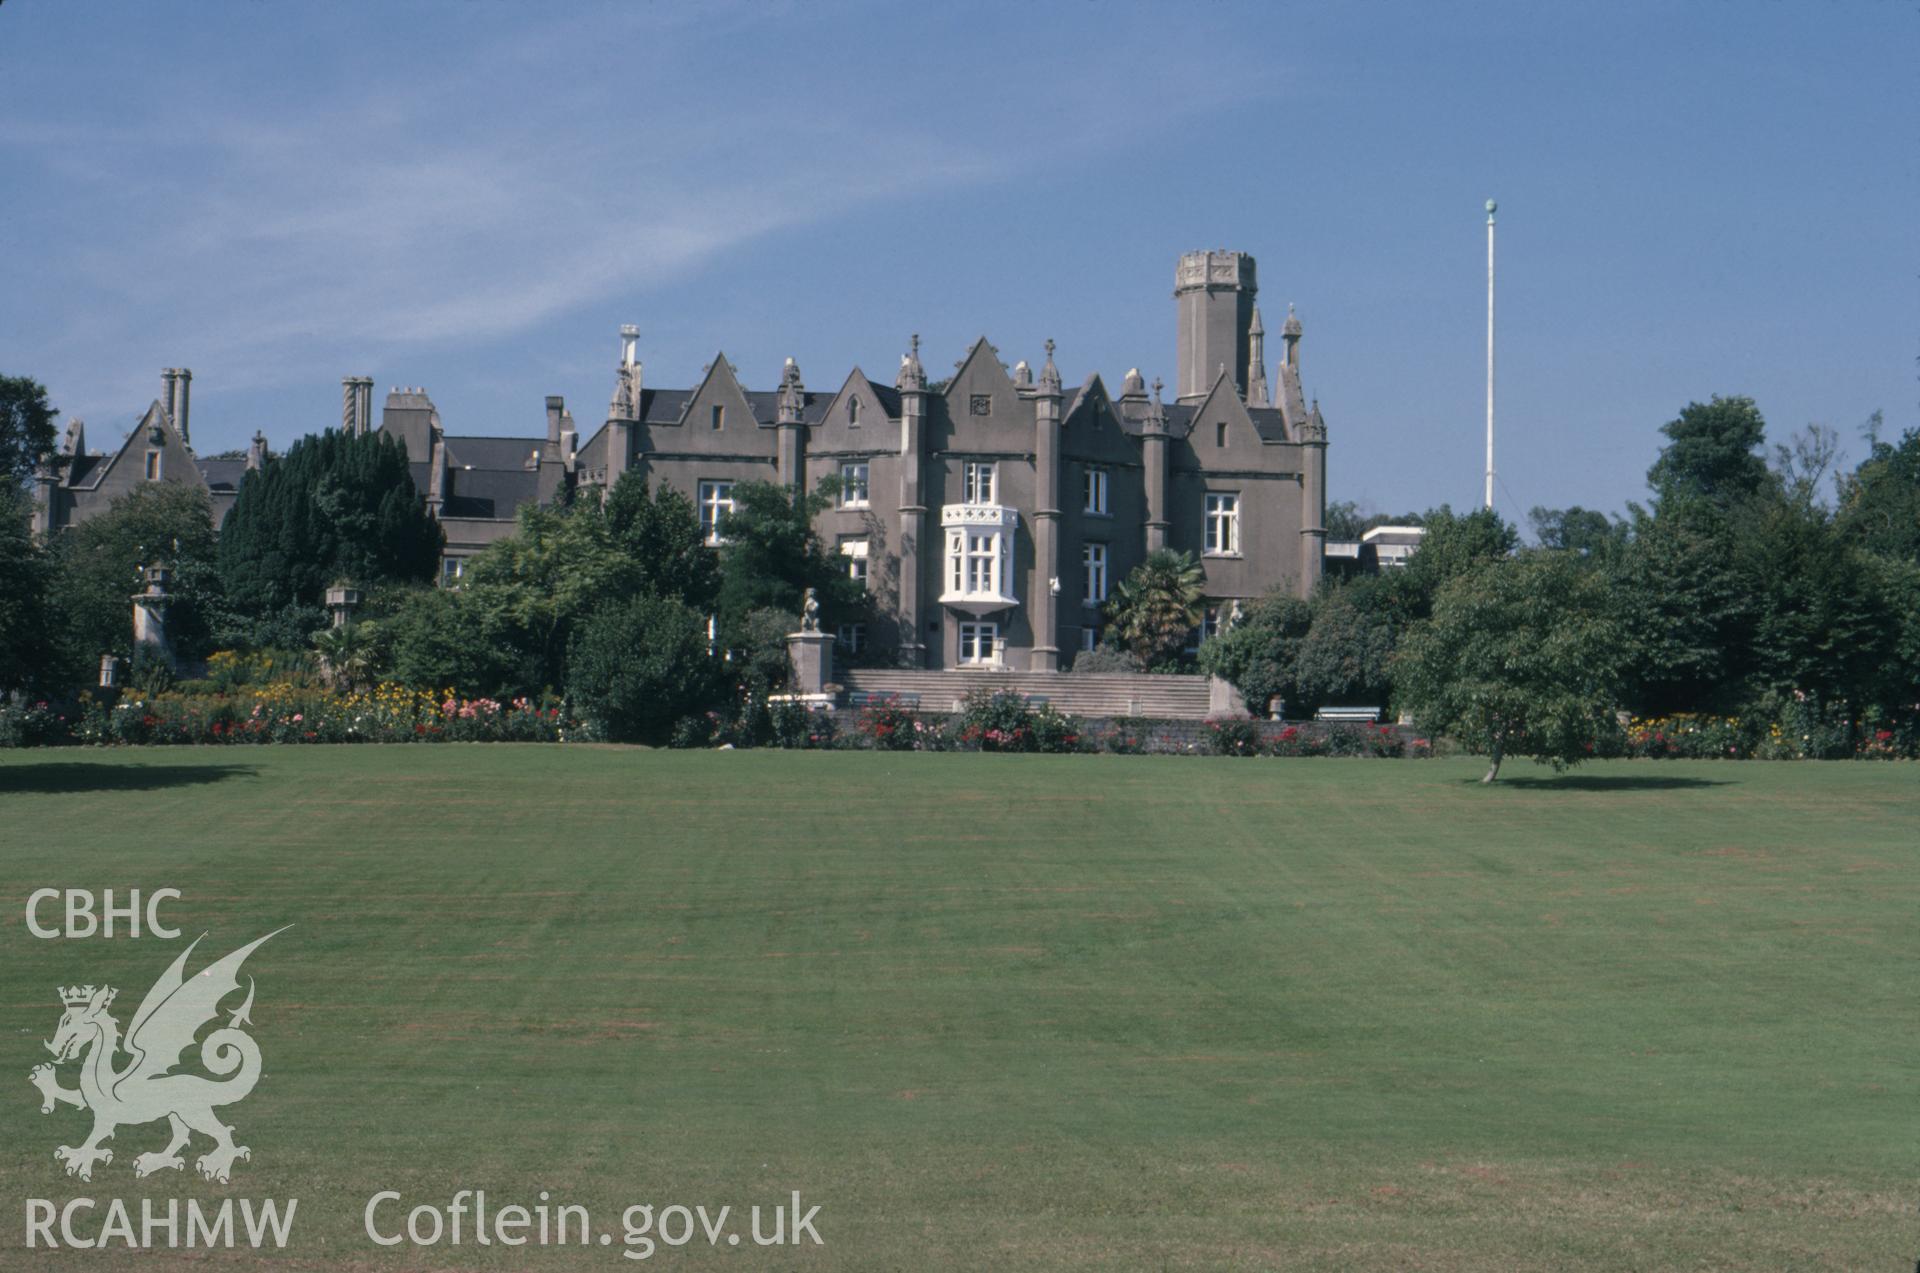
{"x":1156,"y":419}
{"x":1257,"y":395}
{"x":1315,"y":429}
{"x":1050,"y":374}
{"x":793,"y":395}
{"x":625,"y":404}
{"x":912,"y":377}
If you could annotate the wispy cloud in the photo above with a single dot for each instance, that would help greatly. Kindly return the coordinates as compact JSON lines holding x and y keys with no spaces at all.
{"x":474,"y":200}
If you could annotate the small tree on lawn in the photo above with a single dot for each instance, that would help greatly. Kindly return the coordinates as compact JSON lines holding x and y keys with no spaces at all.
{"x":638,"y":667}
{"x":1155,"y":607}
{"x":1521,"y":657}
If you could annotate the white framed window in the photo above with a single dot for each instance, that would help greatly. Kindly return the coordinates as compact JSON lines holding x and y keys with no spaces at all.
{"x":983,"y":563}
{"x":853,"y":485}
{"x":1089,"y":638}
{"x":1094,"y":556}
{"x":1223,"y":526}
{"x":979,"y":643}
{"x":452,"y":570}
{"x":716,"y":505}
{"x":852,"y":637}
{"x":855,"y":551}
{"x":977,"y":482}
{"x":153,"y":466}
{"x":1096,"y":482}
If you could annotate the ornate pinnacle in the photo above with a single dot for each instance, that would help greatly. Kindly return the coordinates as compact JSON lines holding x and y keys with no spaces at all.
{"x":912,"y":377}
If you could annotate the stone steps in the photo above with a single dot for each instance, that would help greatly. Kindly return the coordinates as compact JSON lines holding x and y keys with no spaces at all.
{"x":1109,"y":694}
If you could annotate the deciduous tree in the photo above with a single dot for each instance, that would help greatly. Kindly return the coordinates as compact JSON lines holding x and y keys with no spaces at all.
{"x":26,"y":427}
{"x":1521,"y":657}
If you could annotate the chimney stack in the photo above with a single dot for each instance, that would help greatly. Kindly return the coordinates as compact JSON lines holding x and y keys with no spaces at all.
{"x":183,"y":388}
{"x":169,"y":397}
{"x":556,"y":407}
{"x":356,"y":405}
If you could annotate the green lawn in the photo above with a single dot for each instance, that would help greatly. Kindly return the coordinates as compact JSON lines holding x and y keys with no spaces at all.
{"x":1022,"y":1012}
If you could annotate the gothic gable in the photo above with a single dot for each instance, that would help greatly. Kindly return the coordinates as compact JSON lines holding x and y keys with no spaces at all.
{"x":855,"y":419}
{"x":1221,"y":425}
{"x":1092,"y":428}
{"x":154,"y":442}
{"x":719,"y":407}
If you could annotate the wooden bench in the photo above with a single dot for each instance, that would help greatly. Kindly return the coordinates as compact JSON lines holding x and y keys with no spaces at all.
{"x":860,"y":699}
{"x":1349,"y":715}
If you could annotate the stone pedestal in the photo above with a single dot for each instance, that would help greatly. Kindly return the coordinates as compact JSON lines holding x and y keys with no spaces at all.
{"x":811,"y":654}
{"x":1224,"y":702}
{"x":150,"y":616}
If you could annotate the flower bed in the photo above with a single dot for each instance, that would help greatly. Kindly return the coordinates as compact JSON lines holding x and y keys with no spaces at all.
{"x":285,"y":713}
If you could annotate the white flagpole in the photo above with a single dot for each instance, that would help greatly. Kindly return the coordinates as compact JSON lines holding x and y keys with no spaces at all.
{"x":1491,"y":207}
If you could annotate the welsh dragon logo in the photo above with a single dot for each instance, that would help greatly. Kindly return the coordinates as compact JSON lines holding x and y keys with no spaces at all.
{"x":148,"y":1088}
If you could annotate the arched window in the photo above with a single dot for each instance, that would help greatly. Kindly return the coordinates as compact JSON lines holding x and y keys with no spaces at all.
{"x":853,"y":410}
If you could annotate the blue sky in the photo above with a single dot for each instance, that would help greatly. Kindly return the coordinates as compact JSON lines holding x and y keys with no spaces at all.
{"x":1695,"y":199}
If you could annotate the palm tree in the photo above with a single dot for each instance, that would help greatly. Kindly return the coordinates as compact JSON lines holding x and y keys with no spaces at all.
{"x":347,"y":652}
{"x":1155,"y":607}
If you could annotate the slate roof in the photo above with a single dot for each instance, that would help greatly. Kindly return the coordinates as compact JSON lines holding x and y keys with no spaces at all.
{"x":1269,"y":422}
{"x":81,"y":469}
{"x":223,"y":475}
{"x":494,"y":493}
{"x":491,"y":452}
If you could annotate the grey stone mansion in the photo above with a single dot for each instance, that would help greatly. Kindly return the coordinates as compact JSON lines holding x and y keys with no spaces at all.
{"x":989,"y":514}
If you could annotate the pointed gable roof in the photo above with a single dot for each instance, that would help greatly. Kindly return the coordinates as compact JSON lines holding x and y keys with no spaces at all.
{"x":874,"y":402}
{"x":1222,"y":405}
{"x":981,"y":372}
{"x":1092,"y":394}
{"x":720,"y":388}
{"x":154,"y":422}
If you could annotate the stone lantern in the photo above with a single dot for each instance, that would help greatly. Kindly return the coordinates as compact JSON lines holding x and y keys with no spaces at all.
{"x":342,"y":601}
{"x":150,"y":616}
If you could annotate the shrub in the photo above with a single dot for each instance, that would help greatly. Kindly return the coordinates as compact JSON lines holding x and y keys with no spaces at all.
{"x":34,"y":724}
{"x":638,"y":668}
{"x":796,"y":726}
{"x":1106,"y":659}
{"x":886,"y":725}
{"x":1129,"y":736}
{"x":1235,"y":738}
{"x":1295,"y":741}
{"x":1055,"y":731}
{"x":695,"y":731}
{"x":999,"y":720}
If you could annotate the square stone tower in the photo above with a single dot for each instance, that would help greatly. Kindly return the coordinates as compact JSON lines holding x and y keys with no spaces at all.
{"x":1215,"y":292}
